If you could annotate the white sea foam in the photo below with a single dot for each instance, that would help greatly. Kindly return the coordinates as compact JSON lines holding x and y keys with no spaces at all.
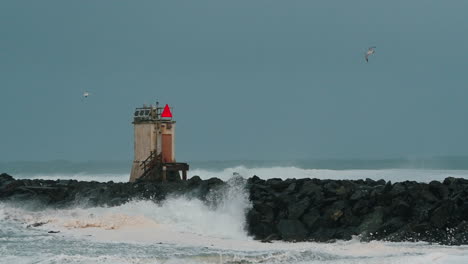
{"x":183,"y":230}
{"x":100,"y":177}
{"x":394,"y":175}
{"x":190,"y":232}
{"x":224,"y":217}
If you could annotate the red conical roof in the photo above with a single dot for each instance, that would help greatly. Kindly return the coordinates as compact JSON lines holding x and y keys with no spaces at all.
{"x":166,"y":112}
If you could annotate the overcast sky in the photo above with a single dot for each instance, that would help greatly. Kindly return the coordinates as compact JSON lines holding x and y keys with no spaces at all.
{"x":247,"y":79}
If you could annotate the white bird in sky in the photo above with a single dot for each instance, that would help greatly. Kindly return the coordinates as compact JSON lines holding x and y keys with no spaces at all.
{"x":369,"y":52}
{"x":85,"y":95}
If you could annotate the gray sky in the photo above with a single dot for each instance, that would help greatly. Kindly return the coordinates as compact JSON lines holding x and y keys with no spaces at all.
{"x":248,"y":79}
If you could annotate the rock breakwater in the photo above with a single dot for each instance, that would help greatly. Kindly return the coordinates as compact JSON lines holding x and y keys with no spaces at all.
{"x":292,"y":209}
{"x":64,"y":193}
{"x":326,"y":210}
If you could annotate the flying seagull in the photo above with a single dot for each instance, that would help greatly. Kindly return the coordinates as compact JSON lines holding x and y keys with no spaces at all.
{"x":85,"y":95}
{"x":369,"y":52}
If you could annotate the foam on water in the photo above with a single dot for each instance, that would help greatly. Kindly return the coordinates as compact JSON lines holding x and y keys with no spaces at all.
{"x":101,"y":177}
{"x":137,"y":238}
{"x":143,"y":232}
{"x":222,"y":216}
{"x":394,"y":175}
{"x":183,"y":230}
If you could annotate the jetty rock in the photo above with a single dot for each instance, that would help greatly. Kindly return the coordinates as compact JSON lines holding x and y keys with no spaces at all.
{"x":329,"y":210}
{"x":64,"y":193}
{"x":291,"y":209}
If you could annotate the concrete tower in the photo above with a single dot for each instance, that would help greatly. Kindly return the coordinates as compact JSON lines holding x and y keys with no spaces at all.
{"x":154,"y":144}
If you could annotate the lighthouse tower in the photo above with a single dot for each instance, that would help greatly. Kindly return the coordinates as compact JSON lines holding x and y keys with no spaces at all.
{"x":154,"y":145}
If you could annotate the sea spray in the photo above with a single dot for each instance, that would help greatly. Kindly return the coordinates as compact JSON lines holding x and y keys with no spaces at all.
{"x":283,"y":172}
{"x":99,"y":245}
{"x":142,"y":231}
{"x":232,"y":203}
{"x":221,"y":214}
{"x":100,"y":177}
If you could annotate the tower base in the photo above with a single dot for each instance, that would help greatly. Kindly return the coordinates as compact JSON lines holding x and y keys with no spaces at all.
{"x":160,"y":172}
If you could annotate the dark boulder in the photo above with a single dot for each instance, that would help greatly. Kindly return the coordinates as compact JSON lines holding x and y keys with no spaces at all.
{"x":362,"y":207}
{"x":194,"y":181}
{"x":296,"y":210}
{"x":324,"y":234}
{"x":278,"y":184}
{"x":372,"y":222}
{"x":292,"y":230}
{"x":309,"y":188}
{"x":266,"y":211}
{"x":334,"y":212}
{"x":440,"y":190}
{"x":460,"y":234}
{"x":310,"y":218}
{"x":398,"y":189}
{"x":401,"y":208}
{"x":359,"y":194}
{"x":257,"y":226}
{"x":441,"y":215}
{"x":5,"y":179}
{"x":389,"y":227}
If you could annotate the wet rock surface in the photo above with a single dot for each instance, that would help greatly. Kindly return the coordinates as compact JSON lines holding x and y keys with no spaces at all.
{"x":64,"y":193}
{"x":292,"y":209}
{"x":327,"y":210}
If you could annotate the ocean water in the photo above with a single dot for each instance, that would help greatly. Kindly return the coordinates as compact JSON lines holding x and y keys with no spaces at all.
{"x":183,"y":230}
{"x":394,"y":175}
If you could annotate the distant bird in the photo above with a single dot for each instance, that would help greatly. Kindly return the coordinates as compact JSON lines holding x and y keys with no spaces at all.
{"x":369,"y":52}
{"x":85,"y":96}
